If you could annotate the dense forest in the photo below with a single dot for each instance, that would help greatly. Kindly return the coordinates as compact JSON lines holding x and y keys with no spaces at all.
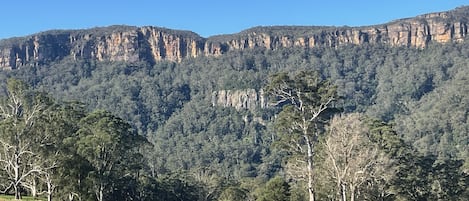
{"x":380,"y":123}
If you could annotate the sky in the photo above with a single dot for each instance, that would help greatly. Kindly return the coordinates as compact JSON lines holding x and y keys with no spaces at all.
{"x":206,"y":17}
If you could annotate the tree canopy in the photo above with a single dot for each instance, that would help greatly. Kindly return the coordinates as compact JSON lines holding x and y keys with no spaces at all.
{"x":416,"y":99}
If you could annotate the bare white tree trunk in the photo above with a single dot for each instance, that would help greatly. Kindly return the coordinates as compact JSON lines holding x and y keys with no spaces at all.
{"x":308,"y":97}
{"x":100,"y":193}
{"x":49,"y":191}
{"x":50,"y":185}
{"x":310,"y":168}
{"x":344,"y":192}
{"x":18,"y":115}
{"x":17,"y":192}
{"x":72,"y":196}
{"x":33,"y":187}
{"x":350,"y":157}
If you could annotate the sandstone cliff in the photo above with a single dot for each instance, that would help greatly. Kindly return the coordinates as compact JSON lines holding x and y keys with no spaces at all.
{"x":152,"y":44}
{"x":116,"y":43}
{"x":240,"y":99}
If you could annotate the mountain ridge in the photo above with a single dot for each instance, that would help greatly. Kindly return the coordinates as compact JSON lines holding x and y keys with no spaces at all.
{"x":153,"y":44}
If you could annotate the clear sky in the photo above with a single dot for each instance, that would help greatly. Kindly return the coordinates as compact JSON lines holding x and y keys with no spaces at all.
{"x":206,"y":17}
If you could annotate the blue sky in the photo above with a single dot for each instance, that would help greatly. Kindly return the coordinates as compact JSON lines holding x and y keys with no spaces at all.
{"x":206,"y":17}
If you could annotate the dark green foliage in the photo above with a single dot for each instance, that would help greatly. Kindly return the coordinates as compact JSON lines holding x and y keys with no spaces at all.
{"x":415,"y":176}
{"x":233,"y":194}
{"x":307,"y":101}
{"x":422,"y":92}
{"x":168,"y":188}
{"x":60,"y":149}
{"x":387,"y":139}
{"x":201,"y":136}
{"x":107,"y":143}
{"x":276,"y":189}
{"x":423,"y":178}
{"x":175,"y":188}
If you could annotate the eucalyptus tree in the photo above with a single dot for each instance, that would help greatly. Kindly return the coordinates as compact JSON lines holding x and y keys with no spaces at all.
{"x":276,"y":189}
{"x":20,"y":112}
{"x":111,"y":148}
{"x":306,"y":101}
{"x":351,"y":159}
{"x":54,"y":128}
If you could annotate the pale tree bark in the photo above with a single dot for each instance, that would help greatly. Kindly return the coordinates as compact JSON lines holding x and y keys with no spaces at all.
{"x":33,"y":181}
{"x":50,"y":187}
{"x":310,"y":167}
{"x":72,"y":195}
{"x":306,"y":145}
{"x":211,"y":182}
{"x":308,"y":98}
{"x":18,"y":114}
{"x":100,"y":195}
{"x":14,"y":160}
{"x":45,"y":167}
{"x":350,"y":156}
{"x":31,"y":184}
{"x":46,"y":178}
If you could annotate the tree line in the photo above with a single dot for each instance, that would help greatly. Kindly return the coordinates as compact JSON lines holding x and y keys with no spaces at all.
{"x":417,"y":96}
{"x":60,"y":150}
{"x":348,"y":156}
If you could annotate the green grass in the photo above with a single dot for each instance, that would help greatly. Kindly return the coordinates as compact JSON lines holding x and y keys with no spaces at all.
{"x":11,"y":197}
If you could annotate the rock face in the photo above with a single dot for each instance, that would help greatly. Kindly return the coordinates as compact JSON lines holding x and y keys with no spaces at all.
{"x":240,"y":99}
{"x":116,"y":43}
{"x":152,"y":44}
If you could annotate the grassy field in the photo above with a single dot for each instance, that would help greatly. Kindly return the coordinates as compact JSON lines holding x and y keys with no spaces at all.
{"x":10,"y":197}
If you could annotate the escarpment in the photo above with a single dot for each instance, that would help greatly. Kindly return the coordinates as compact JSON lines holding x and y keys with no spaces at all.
{"x":153,"y":44}
{"x":240,"y":99}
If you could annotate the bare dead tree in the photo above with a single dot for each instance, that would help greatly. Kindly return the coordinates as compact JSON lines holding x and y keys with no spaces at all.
{"x":351,"y":160}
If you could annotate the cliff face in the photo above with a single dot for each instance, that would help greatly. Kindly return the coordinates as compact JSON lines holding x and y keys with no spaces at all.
{"x":102,"y":44}
{"x":155,"y":44}
{"x":240,"y":99}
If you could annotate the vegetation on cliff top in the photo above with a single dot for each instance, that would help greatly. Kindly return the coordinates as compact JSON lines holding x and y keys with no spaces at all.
{"x":410,"y":105}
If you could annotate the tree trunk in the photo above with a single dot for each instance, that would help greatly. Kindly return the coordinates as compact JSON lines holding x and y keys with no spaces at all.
{"x":100,"y":193}
{"x":50,"y":189}
{"x":33,"y":188}
{"x":16,"y":184}
{"x":344,"y":193}
{"x":17,"y":192}
{"x":310,"y":169}
{"x":310,"y":154}
{"x":352,"y":193}
{"x":338,"y":190}
{"x":72,"y":195}
{"x":311,"y":194}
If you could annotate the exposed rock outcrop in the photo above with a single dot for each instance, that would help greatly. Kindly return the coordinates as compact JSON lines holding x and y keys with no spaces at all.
{"x":116,"y":43}
{"x":152,"y":44}
{"x":240,"y":99}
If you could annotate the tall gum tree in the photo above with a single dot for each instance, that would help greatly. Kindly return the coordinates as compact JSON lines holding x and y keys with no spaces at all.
{"x":351,"y":159}
{"x":306,"y":101}
{"x":19,"y":112}
{"x":53,"y":127}
{"x":111,"y":148}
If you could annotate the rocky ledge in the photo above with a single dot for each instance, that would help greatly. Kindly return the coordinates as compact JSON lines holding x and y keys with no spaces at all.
{"x":153,"y":44}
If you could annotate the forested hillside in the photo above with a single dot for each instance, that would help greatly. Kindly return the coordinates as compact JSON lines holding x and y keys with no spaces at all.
{"x":414,"y":102}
